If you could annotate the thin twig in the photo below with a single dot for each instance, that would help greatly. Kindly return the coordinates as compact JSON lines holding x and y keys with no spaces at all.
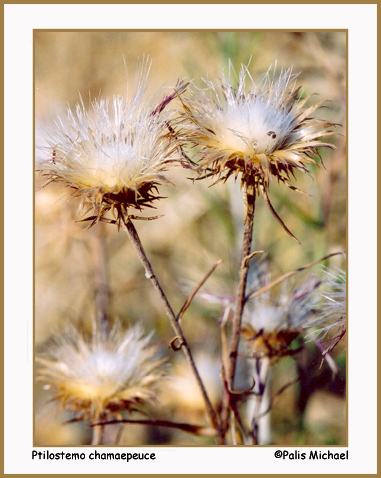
{"x":274,"y":213}
{"x":133,"y":235}
{"x":196,"y":289}
{"x":237,"y":420}
{"x":277,"y":395}
{"x":250,"y":256}
{"x":224,"y":339}
{"x":224,"y":366}
{"x":326,"y":355}
{"x":185,"y":427}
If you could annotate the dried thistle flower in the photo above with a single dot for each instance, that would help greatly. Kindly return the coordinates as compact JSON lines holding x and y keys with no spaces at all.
{"x":115,"y":155}
{"x":261,"y":133}
{"x":100,"y":376}
{"x":272,"y":325}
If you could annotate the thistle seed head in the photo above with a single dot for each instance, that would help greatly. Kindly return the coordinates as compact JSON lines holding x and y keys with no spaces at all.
{"x":261,"y":132}
{"x":99,"y":376}
{"x":115,"y":155}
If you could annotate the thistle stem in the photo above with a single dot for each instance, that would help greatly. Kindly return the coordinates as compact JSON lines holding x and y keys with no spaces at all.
{"x":97,"y":435}
{"x":249,"y":199}
{"x":133,"y":235}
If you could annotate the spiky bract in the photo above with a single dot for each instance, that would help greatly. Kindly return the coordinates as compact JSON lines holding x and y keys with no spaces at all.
{"x":99,"y":376}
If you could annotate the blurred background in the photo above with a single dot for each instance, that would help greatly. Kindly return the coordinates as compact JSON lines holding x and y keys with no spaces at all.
{"x":76,"y":269}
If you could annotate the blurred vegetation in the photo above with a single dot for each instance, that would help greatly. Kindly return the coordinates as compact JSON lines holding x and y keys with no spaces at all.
{"x":199,"y":225}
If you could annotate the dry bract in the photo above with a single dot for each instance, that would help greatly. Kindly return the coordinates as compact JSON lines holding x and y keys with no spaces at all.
{"x":100,"y":376}
{"x":115,"y":155}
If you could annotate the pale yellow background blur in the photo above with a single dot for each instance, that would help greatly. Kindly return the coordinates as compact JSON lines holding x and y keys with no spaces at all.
{"x":200,"y":224}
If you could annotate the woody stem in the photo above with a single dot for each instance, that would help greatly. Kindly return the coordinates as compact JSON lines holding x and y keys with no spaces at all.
{"x":249,"y":200}
{"x":135,"y":240}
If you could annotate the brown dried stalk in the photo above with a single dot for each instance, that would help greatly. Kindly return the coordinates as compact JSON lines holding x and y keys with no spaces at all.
{"x":229,"y":402}
{"x":135,"y":240}
{"x":249,"y":196}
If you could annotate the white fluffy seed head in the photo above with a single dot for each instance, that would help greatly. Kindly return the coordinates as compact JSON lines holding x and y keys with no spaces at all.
{"x":258,"y":129}
{"x":115,"y":154}
{"x":257,"y":122}
{"x":255,"y":128}
{"x":109,"y":147}
{"x":103,"y":374}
